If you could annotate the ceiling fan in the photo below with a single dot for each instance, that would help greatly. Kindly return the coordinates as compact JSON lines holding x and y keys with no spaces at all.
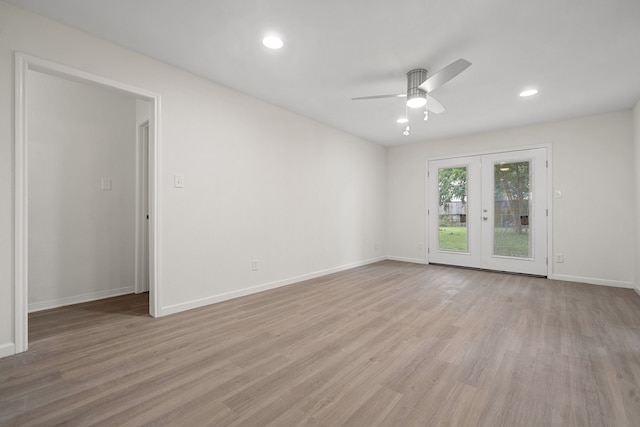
{"x":420,"y":85}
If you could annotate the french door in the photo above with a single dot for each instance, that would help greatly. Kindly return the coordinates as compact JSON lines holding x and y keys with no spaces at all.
{"x":490,"y":211}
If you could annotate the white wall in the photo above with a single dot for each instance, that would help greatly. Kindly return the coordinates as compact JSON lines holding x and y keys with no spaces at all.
{"x":81,"y":238}
{"x":636,"y":163}
{"x":260,"y":182}
{"x":594,"y":221}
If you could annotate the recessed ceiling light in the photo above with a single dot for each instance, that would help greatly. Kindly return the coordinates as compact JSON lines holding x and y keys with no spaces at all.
{"x":273,"y":42}
{"x":402,"y":120}
{"x":528,"y":92}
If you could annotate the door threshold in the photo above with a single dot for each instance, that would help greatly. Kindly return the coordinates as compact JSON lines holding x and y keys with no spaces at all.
{"x":513,"y":273}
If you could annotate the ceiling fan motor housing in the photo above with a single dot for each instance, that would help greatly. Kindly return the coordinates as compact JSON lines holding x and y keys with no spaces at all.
{"x":414,"y":79}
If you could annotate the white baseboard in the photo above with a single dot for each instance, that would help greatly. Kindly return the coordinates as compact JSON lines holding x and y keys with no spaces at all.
{"x":412,"y":260}
{"x":61,"y":302}
{"x":189,"y":305}
{"x":593,"y":281}
{"x":588,"y":280}
{"x":8,"y":349}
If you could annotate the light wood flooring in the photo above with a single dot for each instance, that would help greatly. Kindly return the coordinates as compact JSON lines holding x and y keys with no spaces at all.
{"x":389,"y":344}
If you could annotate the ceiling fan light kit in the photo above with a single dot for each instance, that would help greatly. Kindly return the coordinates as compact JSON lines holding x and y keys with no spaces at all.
{"x":420,"y":85}
{"x":416,"y":100}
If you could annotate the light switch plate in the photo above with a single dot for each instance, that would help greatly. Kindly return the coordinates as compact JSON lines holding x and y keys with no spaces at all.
{"x":178,"y":181}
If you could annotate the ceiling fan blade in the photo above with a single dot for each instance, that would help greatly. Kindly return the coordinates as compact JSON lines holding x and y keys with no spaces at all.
{"x":447,"y":73}
{"x":434,"y":105}
{"x":379,"y":96}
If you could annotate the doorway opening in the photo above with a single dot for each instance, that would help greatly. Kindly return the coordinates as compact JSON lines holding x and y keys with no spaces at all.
{"x":490,"y":211}
{"x":25,"y":64}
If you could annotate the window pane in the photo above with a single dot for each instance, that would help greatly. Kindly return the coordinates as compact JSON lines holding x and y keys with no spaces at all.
{"x":452,"y":213}
{"x":511,"y":227}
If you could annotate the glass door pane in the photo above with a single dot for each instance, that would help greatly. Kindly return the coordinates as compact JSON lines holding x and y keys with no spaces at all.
{"x":452,"y":211}
{"x":512,"y":218}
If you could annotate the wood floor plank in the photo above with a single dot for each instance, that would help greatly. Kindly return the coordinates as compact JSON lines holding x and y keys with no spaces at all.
{"x":386,"y":344}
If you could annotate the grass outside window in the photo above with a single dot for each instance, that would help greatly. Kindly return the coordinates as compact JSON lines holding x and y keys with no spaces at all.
{"x":507,"y":242}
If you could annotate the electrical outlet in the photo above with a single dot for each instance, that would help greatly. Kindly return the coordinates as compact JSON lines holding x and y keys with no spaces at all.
{"x":559,"y":258}
{"x":106,"y":184}
{"x":254,"y":265}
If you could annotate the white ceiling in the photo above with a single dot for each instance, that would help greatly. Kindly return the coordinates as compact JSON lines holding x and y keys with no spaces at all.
{"x":583,"y":55}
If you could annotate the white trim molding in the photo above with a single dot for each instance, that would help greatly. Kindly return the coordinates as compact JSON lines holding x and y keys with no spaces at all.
{"x":411,"y":260}
{"x":7,"y":350}
{"x":77,"y":299}
{"x":20,"y":248}
{"x":176,"y":308}
{"x":141,"y":223}
{"x":593,"y":281}
{"x":24,"y":63}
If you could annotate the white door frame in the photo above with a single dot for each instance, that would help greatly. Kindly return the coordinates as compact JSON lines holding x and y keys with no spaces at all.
{"x":24,"y":63}
{"x":549,"y":189}
{"x":142,"y":208}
